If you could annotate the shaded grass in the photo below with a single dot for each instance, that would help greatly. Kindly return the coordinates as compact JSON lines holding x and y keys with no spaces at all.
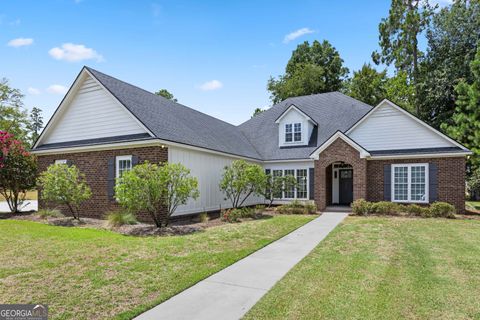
{"x":94,"y":274}
{"x":384,"y":268}
{"x":475,"y":205}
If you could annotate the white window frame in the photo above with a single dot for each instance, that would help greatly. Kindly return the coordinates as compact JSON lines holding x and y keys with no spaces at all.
{"x":301,"y":132}
{"x":61,"y":161}
{"x":117,"y":164}
{"x":290,"y":133}
{"x":409,"y":182}
{"x":295,"y":171}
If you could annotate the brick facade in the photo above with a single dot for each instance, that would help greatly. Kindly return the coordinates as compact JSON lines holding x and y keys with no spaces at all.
{"x":94,"y":165}
{"x":339,"y":150}
{"x":451,"y":179}
{"x":368,"y":175}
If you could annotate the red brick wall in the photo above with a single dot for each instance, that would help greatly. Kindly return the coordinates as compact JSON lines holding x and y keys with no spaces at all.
{"x":339,"y":151}
{"x":451,"y":179}
{"x":94,"y":165}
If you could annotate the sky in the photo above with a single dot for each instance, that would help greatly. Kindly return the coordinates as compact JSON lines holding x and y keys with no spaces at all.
{"x":214,"y":56}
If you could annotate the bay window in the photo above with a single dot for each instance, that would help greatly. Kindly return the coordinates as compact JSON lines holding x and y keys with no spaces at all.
{"x":289,"y":189}
{"x":410,"y":183}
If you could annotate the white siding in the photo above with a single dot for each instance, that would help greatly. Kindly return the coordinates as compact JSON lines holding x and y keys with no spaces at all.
{"x":388,"y":129}
{"x":92,"y":113}
{"x":293,"y":116}
{"x":208,"y":168}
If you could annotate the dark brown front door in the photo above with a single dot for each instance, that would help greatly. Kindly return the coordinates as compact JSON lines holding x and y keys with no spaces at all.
{"x":345,"y":186}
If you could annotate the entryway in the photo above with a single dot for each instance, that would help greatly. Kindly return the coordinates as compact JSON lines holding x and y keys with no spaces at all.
{"x":342,"y":184}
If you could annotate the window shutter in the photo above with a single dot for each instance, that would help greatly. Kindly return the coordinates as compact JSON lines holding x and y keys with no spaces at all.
{"x":69,"y":163}
{"x":134,"y":161}
{"x":387,"y":182}
{"x":432,"y":182}
{"x":111,"y":178}
{"x":311,"y":183}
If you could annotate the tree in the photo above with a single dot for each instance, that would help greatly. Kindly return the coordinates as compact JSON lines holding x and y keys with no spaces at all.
{"x":315,"y":68}
{"x":277,"y":185}
{"x":400,"y":92}
{"x":65,"y":185}
{"x":368,"y":85}
{"x":36,"y":123}
{"x":257,"y":112}
{"x":398,"y":37}
{"x":13,"y":117}
{"x":155,"y":188}
{"x":166,"y":94}
{"x":17,"y":171}
{"x":465,"y":126}
{"x":473,"y":185}
{"x":242,"y":179}
{"x":452,"y":43}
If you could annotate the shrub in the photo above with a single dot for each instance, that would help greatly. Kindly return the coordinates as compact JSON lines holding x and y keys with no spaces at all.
{"x":442,"y":209}
{"x":426,"y":213}
{"x":297,"y":207}
{"x":247,"y":212}
{"x":414,"y":210}
{"x":310,"y":208}
{"x":259,"y":208}
{"x":361,"y":207}
{"x":49,"y":213}
{"x":203,"y":217}
{"x":232,"y":215}
{"x":120,"y":217}
{"x":386,"y":207}
{"x":65,"y":185}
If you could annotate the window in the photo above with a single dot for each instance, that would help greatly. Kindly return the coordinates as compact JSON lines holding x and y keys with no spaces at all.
{"x":288,"y":132}
{"x":409,"y":183}
{"x":297,"y":132}
{"x":62,"y":161}
{"x":289,"y":189}
{"x":123,"y":163}
{"x":302,"y":183}
{"x":276,"y":174}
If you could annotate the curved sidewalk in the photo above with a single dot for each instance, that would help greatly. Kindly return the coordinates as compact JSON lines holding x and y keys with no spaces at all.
{"x":231,"y":292}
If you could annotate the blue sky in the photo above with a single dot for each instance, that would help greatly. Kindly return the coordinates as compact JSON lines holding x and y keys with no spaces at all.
{"x":214,"y":56}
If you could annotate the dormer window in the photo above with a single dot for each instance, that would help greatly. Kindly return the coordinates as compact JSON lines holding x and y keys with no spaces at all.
{"x":297,"y":132}
{"x":294,"y":128}
{"x":288,"y":132}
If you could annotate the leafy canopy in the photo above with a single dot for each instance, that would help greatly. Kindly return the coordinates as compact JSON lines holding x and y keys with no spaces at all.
{"x":166,"y":94}
{"x":275,"y":186}
{"x":242,"y":179}
{"x":65,"y":185}
{"x":18,"y":171}
{"x":312,"y":69}
{"x":155,"y":188}
{"x":368,"y":85}
{"x":13,"y":116}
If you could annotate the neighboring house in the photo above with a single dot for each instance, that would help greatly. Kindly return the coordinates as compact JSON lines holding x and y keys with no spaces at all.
{"x":338,"y":148}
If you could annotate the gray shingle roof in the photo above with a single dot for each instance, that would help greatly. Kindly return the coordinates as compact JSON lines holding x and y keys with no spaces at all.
{"x":332,"y":111}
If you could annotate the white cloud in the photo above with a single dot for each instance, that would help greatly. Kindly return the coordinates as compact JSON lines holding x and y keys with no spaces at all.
{"x":34,"y":91}
{"x":296,"y":34}
{"x":74,"y":52}
{"x":57,"y":89}
{"x":211,"y":85}
{"x":20,"y":42}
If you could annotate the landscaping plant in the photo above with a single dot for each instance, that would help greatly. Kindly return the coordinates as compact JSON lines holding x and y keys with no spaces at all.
{"x":156,"y":189}
{"x":242,"y":179}
{"x":17,"y":171}
{"x":277,"y":185}
{"x":49,"y":213}
{"x":65,"y":185}
{"x":120,"y":217}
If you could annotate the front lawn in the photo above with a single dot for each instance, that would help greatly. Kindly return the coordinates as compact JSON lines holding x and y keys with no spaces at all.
{"x":93,"y":274}
{"x":384,"y":268}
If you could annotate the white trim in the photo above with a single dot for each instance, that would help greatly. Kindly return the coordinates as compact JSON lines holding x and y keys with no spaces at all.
{"x":393,"y":105}
{"x":363,"y":153}
{"x":294,"y":169}
{"x":292,"y":106}
{"x":420,"y":156}
{"x":72,"y":91}
{"x":409,"y":182}
{"x":61,"y":161}
{"x":117,"y":166}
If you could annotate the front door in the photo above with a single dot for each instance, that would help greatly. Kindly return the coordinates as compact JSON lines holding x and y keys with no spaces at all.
{"x":345,"y":186}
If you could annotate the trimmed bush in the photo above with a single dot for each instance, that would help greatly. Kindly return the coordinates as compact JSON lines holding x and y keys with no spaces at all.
{"x":310,"y":208}
{"x":442,"y":209}
{"x":385,"y":207}
{"x":361,"y":207}
{"x":49,"y":213}
{"x":415,"y":210}
{"x":297,"y":207}
{"x":120,"y":218}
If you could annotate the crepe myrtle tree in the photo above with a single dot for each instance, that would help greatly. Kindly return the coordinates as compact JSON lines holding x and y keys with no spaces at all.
{"x":155,"y":188}
{"x":17,"y":171}
{"x":65,"y":185}
{"x":242,"y":179}
{"x":277,"y":185}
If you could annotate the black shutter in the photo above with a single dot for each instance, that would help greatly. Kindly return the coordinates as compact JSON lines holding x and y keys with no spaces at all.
{"x":432,"y":182}
{"x":134,"y":161}
{"x":311,"y":183}
{"x":111,"y":178}
{"x":387,"y":182}
{"x":69,"y":163}
{"x":268,"y":192}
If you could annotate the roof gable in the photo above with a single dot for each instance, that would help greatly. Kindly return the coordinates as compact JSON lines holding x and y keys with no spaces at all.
{"x":339,"y":135}
{"x":293,"y":108}
{"x":389,"y":127}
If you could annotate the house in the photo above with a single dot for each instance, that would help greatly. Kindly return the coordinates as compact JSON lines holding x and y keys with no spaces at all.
{"x":338,"y":148}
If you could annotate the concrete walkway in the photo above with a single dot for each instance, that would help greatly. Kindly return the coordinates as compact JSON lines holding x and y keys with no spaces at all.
{"x":230,"y":293}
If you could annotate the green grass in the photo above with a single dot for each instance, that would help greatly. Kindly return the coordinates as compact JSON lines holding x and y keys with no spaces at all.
{"x":93,"y":274}
{"x":475,"y":205}
{"x":384,"y":268}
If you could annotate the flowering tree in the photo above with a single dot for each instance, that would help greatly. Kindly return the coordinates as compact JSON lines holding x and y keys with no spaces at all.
{"x":18,"y":171}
